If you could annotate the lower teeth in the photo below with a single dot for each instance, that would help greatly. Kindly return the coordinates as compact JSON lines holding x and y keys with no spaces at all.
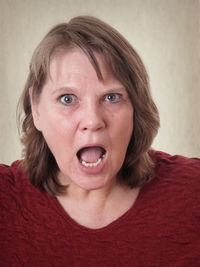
{"x":87,"y":164}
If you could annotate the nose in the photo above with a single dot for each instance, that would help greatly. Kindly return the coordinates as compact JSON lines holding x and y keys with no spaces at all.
{"x":92,"y":118}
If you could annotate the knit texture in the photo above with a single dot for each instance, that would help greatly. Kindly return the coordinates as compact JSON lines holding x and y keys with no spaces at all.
{"x":161,"y":229}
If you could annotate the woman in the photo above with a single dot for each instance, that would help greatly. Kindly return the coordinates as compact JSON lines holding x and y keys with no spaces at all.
{"x":89,"y":190}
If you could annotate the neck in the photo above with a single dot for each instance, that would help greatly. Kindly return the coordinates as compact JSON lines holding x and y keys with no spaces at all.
{"x":99,"y":207}
{"x":94,"y":196}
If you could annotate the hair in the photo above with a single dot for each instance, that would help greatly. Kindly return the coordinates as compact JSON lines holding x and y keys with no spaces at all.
{"x":90,"y":35}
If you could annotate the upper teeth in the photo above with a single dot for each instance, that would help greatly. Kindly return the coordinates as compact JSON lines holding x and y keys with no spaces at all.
{"x":92,"y":164}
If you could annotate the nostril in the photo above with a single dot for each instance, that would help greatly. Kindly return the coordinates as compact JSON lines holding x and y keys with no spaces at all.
{"x":88,"y":128}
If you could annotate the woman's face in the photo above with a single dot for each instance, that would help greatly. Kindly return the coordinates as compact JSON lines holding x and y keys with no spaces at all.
{"x":87,"y":123}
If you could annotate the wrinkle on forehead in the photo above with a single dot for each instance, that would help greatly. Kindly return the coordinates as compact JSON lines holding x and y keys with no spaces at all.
{"x":92,"y":55}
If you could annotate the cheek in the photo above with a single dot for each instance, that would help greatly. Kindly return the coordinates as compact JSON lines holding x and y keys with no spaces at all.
{"x":124,"y":125}
{"x":53,"y":121}
{"x":55,"y":129}
{"x":122,"y":134}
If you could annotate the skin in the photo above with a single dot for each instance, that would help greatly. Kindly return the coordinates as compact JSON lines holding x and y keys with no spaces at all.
{"x":76,"y":110}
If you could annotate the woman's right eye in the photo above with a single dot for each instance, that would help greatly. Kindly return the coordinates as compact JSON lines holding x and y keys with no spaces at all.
{"x":67,"y":99}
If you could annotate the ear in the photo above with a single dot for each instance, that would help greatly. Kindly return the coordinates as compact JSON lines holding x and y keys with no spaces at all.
{"x":35,"y":110}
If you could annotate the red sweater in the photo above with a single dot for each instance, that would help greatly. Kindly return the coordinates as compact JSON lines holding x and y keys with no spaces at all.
{"x":161,"y":229}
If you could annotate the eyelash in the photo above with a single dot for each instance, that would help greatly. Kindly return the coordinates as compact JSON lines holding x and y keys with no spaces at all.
{"x":73,"y":98}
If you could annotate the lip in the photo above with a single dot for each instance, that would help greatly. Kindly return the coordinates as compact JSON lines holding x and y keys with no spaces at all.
{"x":95,"y":169}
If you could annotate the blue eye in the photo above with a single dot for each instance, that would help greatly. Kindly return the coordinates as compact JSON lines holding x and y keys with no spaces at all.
{"x":67,"y":99}
{"x":113,"y":97}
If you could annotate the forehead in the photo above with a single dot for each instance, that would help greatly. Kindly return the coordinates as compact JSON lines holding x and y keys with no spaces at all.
{"x":75,"y":62}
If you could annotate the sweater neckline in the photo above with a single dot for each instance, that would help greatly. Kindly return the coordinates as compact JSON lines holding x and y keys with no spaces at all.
{"x":130,"y":212}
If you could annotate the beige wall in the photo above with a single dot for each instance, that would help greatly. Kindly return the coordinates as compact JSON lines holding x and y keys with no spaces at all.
{"x":166,"y":33}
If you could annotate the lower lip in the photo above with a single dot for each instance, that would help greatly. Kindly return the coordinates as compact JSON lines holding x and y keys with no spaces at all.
{"x":92,"y":170}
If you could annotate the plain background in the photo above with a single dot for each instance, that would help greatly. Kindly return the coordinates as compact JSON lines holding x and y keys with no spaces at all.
{"x":166,"y":33}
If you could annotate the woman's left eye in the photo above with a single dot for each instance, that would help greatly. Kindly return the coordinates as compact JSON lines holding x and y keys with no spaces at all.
{"x":113,"y":97}
{"x":67,"y":99}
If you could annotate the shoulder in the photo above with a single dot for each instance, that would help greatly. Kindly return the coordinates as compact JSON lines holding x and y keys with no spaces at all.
{"x":178,"y":172}
{"x":177,"y":175}
{"x":17,"y":195}
{"x":10,"y":174}
{"x":178,"y":166}
{"x":13,"y":182}
{"x":177,"y":180}
{"x":6,"y":175}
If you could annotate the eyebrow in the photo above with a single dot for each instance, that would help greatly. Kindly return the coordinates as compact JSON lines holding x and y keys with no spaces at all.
{"x":74,"y":90}
{"x":65,"y":88}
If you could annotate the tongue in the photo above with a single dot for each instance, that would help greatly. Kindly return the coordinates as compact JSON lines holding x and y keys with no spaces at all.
{"x":90,"y":154}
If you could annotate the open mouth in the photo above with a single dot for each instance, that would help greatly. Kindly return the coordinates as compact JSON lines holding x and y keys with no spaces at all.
{"x":91,"y":156}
